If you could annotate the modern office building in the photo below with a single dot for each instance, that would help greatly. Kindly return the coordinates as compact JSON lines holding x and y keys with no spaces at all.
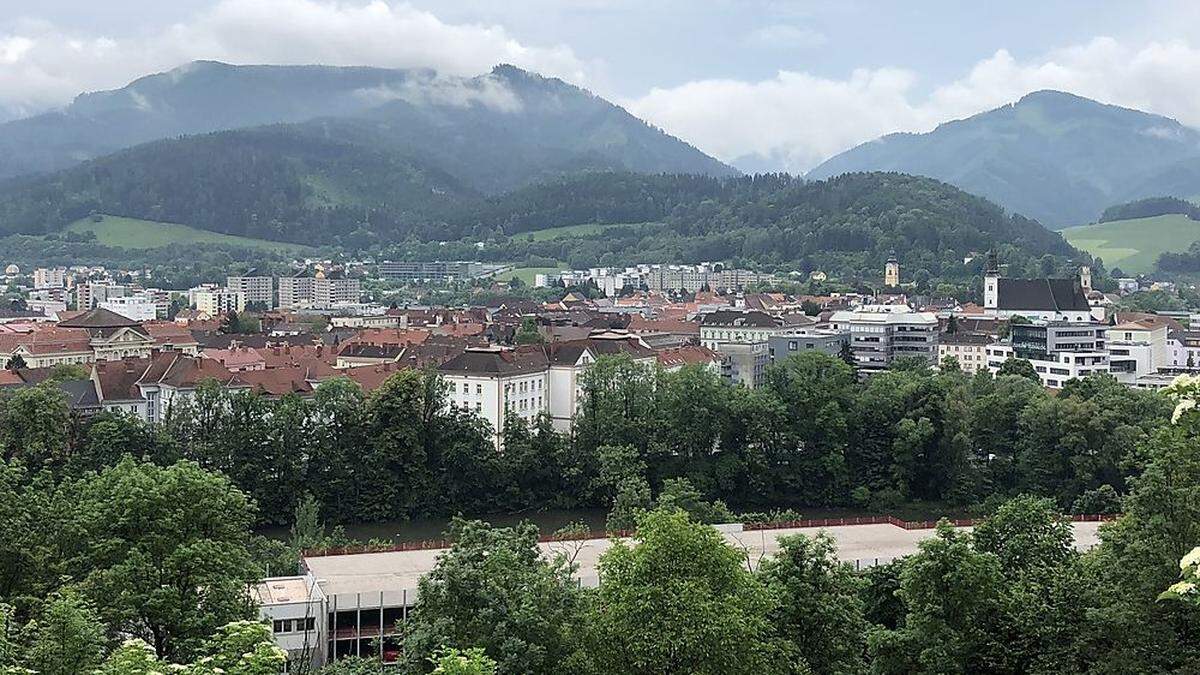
{"x":1059,"y":350}
{"x":880,"y":334}
{"x":782,"y":345}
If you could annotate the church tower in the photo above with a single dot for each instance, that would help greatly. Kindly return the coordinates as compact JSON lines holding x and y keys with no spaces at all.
{"x":1085,"y":279}
{"x":891,"y":272}
{"x":991,"y":282}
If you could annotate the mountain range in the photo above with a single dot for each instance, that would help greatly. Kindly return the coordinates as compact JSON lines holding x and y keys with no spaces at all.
{"x":1053,"y":156}
{"x":495,"y":131}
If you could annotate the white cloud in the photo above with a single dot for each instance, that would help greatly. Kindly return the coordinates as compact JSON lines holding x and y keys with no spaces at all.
{"x":43,"y":65}
{"x":787,"y":36}
{"x":440,"y":89}
{"x":794,"y":120}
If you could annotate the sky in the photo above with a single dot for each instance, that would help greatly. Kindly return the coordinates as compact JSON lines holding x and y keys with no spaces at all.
{"x":762,"y":84}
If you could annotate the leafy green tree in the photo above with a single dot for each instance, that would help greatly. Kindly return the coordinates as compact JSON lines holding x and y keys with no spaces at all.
{"x":133,"y":657}
{"x":1028,"y":535}
{"x":161,"y":552}
{"x":66,"y":638}
{"x":619,"y":405}
{"x":239,"y":648}
{"x":528,"y":333}
{"x":1138,"y":558}
{"x":1020,"y":368}
{"x":679,"y":493}
{"x":1102,"y":500}
{"x":473,"y":661}
{"x":631,"y":501}
{"x":680,"y":601}
{"x":953,"y":598}
{"x":820,"y":604}
{"x":17,"y":362}
{"x":493,"y":590}
{"x":35,"y":425}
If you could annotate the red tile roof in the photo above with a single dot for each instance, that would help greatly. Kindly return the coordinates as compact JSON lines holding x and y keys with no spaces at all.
{"x":687,"y":355}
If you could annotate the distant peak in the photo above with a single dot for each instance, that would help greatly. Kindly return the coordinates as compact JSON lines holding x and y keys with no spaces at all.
{"x":509,"y":70}
{"x":1051,"y":95}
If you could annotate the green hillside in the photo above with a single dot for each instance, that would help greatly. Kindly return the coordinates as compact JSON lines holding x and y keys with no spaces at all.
{"x":583,"y":230}
{"x":144,"y":234}
{"x":1051,"y":156}
{"x":1134,"y":245}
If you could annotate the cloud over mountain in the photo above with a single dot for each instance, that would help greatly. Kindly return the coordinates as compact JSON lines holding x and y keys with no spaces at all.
{"x":44,"y":65}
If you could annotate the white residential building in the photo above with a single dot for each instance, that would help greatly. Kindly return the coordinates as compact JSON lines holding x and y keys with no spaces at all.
{"x":494,"y":382}
{"x":318,"y":291}
{"x":527,"y":381}
{"x":50,"y":277}
{"x":89,"y":294}
{"x":215,"y":301}
{"x":136,"y":307}
{"x":880,"y":334}
{"x":738,"y":327}
{"x":256,"y":289}
{"x":968,"y":349}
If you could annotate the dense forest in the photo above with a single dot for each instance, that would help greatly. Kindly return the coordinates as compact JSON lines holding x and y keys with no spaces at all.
{"x":322,"y":192}
{"x":1150,"y":207}
{"x":127,"y":547}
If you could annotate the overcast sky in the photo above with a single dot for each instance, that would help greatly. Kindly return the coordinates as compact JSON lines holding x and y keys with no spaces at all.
{"x":778,"y":84}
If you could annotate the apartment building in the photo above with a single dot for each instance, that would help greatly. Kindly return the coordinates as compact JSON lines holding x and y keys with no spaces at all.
{"x":255,"y":288}
{"x":738,"y":327}
{"x":968,"y":349}
{"x":526,"y":381}
{"x":430,"y":272}
{"x":317,"y":291}
{"x":50,"y":277}
{"x":215,"y":301}
{"x":495,"y":382}
{"x":135,"y":307}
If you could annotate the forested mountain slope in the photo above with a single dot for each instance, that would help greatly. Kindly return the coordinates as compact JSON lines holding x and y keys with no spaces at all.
{"x":1053,"y":156}
{"x":496,"y":131}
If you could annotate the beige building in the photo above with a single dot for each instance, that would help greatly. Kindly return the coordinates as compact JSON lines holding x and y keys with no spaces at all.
{"x":969,"y":349}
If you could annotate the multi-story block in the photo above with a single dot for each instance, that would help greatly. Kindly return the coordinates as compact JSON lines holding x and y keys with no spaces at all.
{"x":1059,"y":350}
{"x":53,"y":277}
{"x":317,"y":291}
{"x":495,"y":382}
{"x":215,"y":301}
{"x":745,"y":363}
{"x":783,"y":345}
{"x":255,"y":288}
{"x":880,"y":334}
{"x":436,"y":271}
{"x":968,"y":349}
{"x":738,"y":327}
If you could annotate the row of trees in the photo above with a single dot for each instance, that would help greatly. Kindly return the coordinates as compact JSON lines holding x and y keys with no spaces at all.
{"x":812,"y":436}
